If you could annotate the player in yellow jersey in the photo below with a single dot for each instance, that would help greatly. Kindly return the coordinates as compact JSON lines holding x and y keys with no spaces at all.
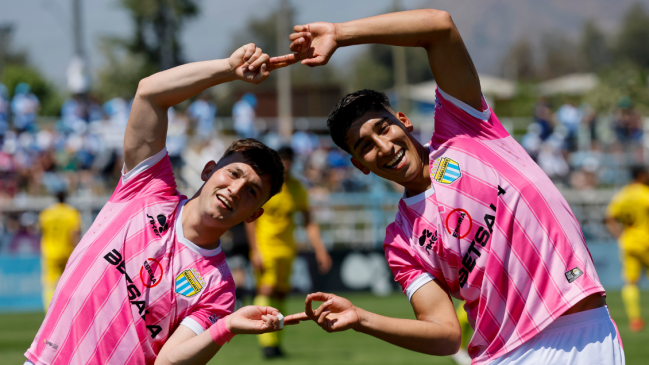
{"x":272,"y":247}
{"x":627,"y":218}
{"x":60,"y":225}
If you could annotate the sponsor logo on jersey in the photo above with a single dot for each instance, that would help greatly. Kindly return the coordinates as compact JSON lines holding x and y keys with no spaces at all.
{"x":189,"y":283}
{"x":573,"y":274}
{"x":463,"y":223}
{"x":213,"y":318}
{"x":445,"y":170}
{"x":148,"y":273}
{"x":427,"y":235}
{"x":159,"y":227}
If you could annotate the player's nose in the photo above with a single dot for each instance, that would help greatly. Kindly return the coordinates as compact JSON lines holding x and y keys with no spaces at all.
{"x":384,"y":146}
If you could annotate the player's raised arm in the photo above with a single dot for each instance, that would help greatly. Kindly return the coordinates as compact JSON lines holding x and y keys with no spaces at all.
{"x":430,"y":29}
{"x":146,"y":131}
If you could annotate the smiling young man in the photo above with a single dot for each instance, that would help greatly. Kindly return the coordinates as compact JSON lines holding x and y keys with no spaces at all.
{"x":479,"y":220}
{"x":148,"y":282}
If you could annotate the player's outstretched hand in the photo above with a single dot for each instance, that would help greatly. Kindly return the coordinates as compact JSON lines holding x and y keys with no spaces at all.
{"x":248,"y":63}
{"x":314,"y":44}
{"x":253,"y":319}
{"x":334,"y":315}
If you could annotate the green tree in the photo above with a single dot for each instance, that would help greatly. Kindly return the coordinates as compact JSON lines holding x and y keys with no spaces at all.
{"x":157,"y":24}
{"x":14,"y":74}
{"x":633,"y":40}
{"x":374,"y":68}
{"x":518,"y":63}
{"x":594,"y":49}
{"x":561,"y":55}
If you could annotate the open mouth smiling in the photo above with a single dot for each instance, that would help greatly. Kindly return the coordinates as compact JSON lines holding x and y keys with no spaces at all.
{"x":224,"y":201}
{"x":397,"y":160}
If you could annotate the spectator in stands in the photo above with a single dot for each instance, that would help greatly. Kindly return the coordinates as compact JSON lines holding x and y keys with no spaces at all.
{"x":24,"y":106}
{"x":25,"y":241}
{"x":543,"y":117}
{"x":202,"y":112}
{"x":176,"y":138}
{"x":61,"y":227}
{"x":627,"y":122}
{"x":243,"y":115}
{"x":570,"y":116}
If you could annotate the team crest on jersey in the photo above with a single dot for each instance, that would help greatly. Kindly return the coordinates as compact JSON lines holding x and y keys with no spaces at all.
{"x":445,"y":171}
{"x":189,"y":283}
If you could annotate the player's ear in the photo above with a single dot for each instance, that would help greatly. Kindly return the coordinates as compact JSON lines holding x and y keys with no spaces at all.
{"x":255,"y":215}
{"x":406,"y":121}
{"x":208,"y":170}
{"x":357,"y":164}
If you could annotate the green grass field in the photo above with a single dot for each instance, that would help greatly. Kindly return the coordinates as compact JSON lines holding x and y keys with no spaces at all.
{"x":308,"y":344}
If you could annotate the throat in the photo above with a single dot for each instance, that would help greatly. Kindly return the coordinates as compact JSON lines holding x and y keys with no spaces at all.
{"x":196,"y":231}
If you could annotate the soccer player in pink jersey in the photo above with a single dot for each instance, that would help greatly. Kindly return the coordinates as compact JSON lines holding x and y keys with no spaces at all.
{"x":479,"y":220}
{"x":148,"y":282}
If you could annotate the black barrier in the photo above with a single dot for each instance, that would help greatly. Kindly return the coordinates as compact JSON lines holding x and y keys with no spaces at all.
{"x":350,"y":271}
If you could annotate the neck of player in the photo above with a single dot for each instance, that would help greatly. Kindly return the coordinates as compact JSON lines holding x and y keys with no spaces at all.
{"x":421,"y":180}
{"x":196,"y":231}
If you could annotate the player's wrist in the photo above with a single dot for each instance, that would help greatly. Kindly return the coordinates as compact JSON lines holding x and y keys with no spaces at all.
{"x":363,"y":319}
{"x":221,"y":331}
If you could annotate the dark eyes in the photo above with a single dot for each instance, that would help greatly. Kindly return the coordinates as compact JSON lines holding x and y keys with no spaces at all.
{"x":252,"y":192}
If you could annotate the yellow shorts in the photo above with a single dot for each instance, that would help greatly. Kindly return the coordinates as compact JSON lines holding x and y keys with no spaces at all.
{"x":632,"y":263}
{"x":51,"y":273}
{"x":276,"y":273}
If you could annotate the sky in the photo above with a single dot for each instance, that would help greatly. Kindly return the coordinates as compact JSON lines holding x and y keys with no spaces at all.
{"x":489,"y":27}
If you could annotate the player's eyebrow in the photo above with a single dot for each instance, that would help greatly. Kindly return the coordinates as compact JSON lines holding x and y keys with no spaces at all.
{"x":374,"y":126}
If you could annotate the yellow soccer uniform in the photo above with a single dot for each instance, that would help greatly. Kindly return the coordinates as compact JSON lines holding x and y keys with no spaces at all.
{"x":57,"y":225}
{"x":274,"y":233}
{"x":631,"y":208}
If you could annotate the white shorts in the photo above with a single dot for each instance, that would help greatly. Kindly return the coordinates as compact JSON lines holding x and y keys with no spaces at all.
{"x":587,"y":338}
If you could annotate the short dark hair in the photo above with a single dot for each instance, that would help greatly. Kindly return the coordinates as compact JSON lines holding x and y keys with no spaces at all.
{"x":351,"y":108}
{"x":263,"y":159}
{"x":637,"y":171}
{"x":61,"y":196}
{"x":286,"y":153}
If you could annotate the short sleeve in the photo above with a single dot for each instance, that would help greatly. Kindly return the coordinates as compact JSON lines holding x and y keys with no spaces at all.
{"x":455,"y":118}
{"x":152,"y":177}
{"x":405,"y":267}
{"x":217,"y":304}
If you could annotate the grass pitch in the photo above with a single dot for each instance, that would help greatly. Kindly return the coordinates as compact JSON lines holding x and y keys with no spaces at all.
{"x":308,"y":344}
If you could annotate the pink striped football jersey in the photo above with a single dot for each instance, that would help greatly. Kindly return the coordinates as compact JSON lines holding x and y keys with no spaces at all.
{"x":133,"y":279}
{"x":493,"y":230}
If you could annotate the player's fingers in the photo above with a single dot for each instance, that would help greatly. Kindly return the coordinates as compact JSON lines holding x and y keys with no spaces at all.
{"x":261,"y":59}
{"x":283,"y":61}
{"x":267,"y":310}
{"x":323,"y":307}
{"x":297,"y":35}
{"x":301,"y":28}
{"x":295,"y":318}
{"x":316,"y":61}
{"x":254,"y":58}
{"x":298,"y":45}
{"x":249,"y":51}
{"x":322,"y":318}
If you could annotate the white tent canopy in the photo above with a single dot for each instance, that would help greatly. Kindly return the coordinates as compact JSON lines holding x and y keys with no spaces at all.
{"x":573,"y":84}
{"x":492,"y":87}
